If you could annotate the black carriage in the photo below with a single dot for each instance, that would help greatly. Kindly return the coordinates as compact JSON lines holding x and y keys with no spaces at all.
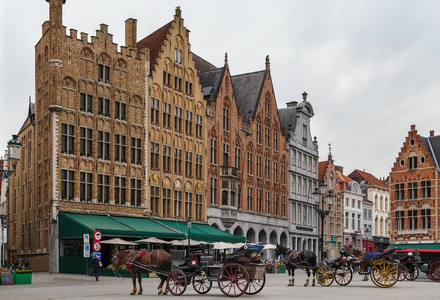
{"x":414,"y":265}
{"x":383,"y":272}
{"x":241,"y":272}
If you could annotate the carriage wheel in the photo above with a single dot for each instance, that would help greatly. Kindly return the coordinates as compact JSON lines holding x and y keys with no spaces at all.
{"x":255,"y":286}
{"x":176,"y":282}
{"x":384,"y":274}
{"x":233,"y":280}
{"x":403,"y":272}
{"x":325,"y":275}
{"x":434,"y":271}
{"x":343,"y":275}
{"x":413,"y":273}
{"x":201,"y":283}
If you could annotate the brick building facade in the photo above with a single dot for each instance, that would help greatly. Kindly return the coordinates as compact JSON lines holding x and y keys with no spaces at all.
{"x":414,"y":186}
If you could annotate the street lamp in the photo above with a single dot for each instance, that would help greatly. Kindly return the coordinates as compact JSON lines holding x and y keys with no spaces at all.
{"x":322,"y":212}
{"x":367,"y":231}
{"x":14,"y":147}
{"x":189,"y":224}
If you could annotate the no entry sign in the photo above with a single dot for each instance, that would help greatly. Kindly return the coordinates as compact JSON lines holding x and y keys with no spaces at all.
{"x":97,"y":236}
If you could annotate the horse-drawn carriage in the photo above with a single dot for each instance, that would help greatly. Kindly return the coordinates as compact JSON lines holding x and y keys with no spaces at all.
{"x":414,"y":265}
{"x":241,"y":272}
{"x":381,"y":270}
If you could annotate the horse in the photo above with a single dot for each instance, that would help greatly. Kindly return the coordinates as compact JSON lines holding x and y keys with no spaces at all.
{"x":297,"y":259}
{"x":157,"y":259}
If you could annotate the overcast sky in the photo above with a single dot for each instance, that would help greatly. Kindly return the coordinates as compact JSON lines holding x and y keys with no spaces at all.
{"x":371,"y":68}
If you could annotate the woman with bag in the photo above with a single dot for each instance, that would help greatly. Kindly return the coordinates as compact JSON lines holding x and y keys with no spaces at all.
{"x":96,"y":266}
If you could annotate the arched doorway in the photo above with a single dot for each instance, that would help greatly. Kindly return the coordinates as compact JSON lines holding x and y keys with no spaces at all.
{"x":283,"y":239}
{"x":250,"y":236}
{"x":238,"y":231}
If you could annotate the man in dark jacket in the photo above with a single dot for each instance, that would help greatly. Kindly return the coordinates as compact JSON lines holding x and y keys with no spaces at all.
{"x":96,"y":266}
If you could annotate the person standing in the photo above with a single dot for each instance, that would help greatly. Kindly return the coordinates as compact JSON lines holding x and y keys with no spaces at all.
{"x":96,"y":266}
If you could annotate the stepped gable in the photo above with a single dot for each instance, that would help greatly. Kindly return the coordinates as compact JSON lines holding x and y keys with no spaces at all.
{"x":211,"y":82}
{"x":287,"y":119}
{"x":322,"y":165}
{"x":432,"y":143}
{"x":154,"y":42}
{"x":247,"y":88}
{"x":359,"y":175}
{"x":202,"y":65}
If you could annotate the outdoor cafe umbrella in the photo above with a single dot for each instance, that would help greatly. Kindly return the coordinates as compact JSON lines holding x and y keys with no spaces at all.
{"x":117,"y":241}
{"x":152,"y":240}
{"x":184,"y":243}
{"x":223,"y":245}
{"x":269,"y":247}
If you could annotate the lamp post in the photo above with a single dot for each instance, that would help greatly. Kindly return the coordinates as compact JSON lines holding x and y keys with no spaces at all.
{"x":14,"y":147}
{"x":322,"y":212}
{"x":367,"y":231}
{"x":189,"y":224}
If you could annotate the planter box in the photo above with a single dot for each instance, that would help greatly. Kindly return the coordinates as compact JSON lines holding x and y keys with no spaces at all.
{"x":25,"y":278}
{"x":281,"y":269}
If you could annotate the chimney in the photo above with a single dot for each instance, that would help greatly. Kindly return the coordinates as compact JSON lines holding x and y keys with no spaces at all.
{"x":431,"y":133}
{"x":178,"y":12}
{"x":267,"y":63}
{"x":340,"y":169}
{"x":130,"y":32}
{"x":292,"y":103}
{"x":413,"y":127}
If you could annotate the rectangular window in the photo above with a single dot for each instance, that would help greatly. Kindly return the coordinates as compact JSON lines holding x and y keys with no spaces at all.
{"x":154,"y":111}
{"x":188,"y":204}
{"x":120,"y":148}
{"x":400,"y":191}
{"x":178,"y":119}
{"x":166,"y":158}
{"x":154,"y":156}
{"x":199,"y":206}
{"x":86,"y":103}
{"x":250,"y":198}
{"x":86,"y":141}
{"x":178,"y":83}
{"x":259,"y":192}
{"x":365,"y":214}
{"x":225,"y":119}
{"x":237,"y":158}
{"x":67,"y":139}
{"x":314,"y":165}
{"x":178,"y":161}
{"x":267,"y":208}
{"x":213,"y":151}
{"x":412,"y":219}
{"x":188,"y":88}
{"x":120,"y":109}
{"x":103,"y":188}
{"x":166,"y":202}
{"x":104,"y":107}
{"x":259,"y":134}
{"x":154,"y":194}
{"x":86,"y":185}
{"x":283,"y":174}
{"x":426,"y":218}
{"x":67,"y":185}
{"x":346,"y":221}
{"x":267,"y":137}
{"x":283,"y":206}
{"x":400,"y":217}
{"x":412,"y":190}
{"x":166,"y":79}
{"x":177,"y":204}
{"x":199,"y":163}
{"x":120,"y":190}
{"x":259,"y":166}
{"x":426,"y":189}
{"x":199,"y":131}
{"x":275,"y":141}
{"x":249,"y":163}
{"x":226,"y":154}
{"x":178,"y":56}
{"x":103,"y":74}
{"x":412,"y":163}
{"x":304,"y":129}
{"x":136,"y":191}
{"x":136,"y":148}
{"x":214,"y":190}
{"x":188,"y":122}
{"x":188,"y":163}
{"x":266,"y":169}
{"x":104,"y":145}
{"x":166,"y":115}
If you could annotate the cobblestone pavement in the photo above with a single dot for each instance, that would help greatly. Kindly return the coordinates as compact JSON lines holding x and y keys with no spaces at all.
{"x":67,"y":286}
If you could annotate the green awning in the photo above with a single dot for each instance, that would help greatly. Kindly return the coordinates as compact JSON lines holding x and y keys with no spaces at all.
{"x":149,"y":228}
{"x":203,"y":232}
{"x":432,"y":246}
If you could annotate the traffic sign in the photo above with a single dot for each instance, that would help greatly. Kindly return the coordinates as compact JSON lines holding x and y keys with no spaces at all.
{"x":97,"y":235}
{"x":96,"y":247}
{"x":86,"y":250}
{"x":86,"y":238}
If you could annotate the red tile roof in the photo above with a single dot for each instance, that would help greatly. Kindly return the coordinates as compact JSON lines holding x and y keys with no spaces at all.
{"x":321,"y":169}
{"x":358,"y":175}
{"x":343,"y":180}
{"x":154,"y":42}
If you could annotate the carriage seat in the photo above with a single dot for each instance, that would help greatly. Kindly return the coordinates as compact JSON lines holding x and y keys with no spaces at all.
{"x":206,"y":260}
{"x":178,"y":257}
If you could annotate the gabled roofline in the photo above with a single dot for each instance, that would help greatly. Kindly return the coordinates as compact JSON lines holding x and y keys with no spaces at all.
{"x":433,"y":155}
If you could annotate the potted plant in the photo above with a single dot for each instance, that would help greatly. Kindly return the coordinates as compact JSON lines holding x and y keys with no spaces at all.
{"x":22,"y":276}
{"x":281,"y":268}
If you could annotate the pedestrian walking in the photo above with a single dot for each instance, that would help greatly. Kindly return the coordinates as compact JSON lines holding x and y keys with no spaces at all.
{"x":96,"y":266}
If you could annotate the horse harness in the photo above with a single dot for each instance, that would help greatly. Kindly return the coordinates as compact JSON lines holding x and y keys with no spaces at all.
{"x":135,"y":262}
{"x":292,"y":256}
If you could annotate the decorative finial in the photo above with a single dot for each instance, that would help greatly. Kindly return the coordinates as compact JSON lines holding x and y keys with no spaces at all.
{"x":304,"y":96}
{"x":267,"y":62}
{"x":226,"y":58}
{"x":330,"y":149}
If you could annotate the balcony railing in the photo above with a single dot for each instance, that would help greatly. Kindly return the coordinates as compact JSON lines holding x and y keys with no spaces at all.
{"x":227,"y":171}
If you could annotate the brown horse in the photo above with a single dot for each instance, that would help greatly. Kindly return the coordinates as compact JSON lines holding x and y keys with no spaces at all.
{"x":156,"y":260}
